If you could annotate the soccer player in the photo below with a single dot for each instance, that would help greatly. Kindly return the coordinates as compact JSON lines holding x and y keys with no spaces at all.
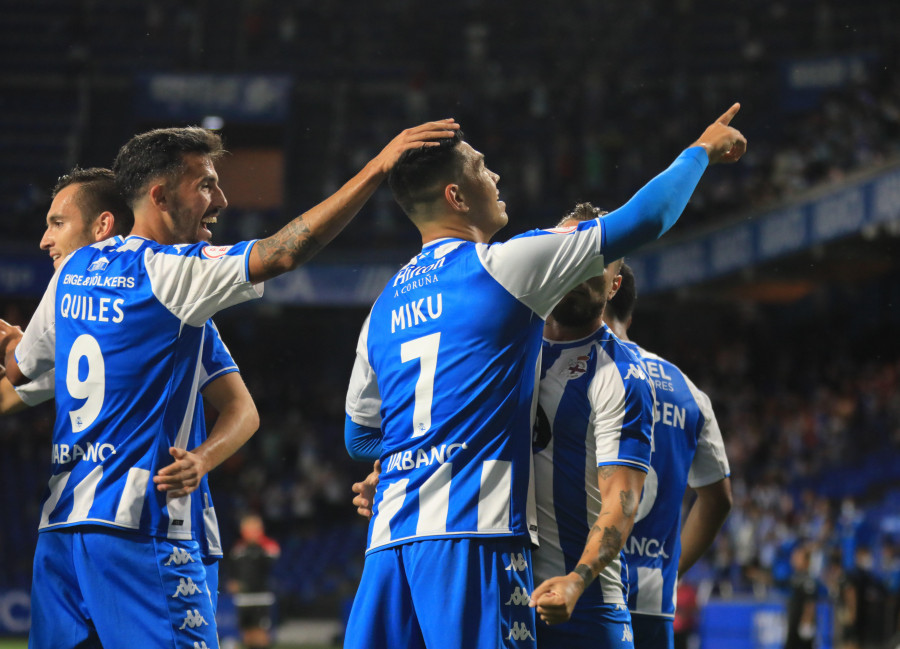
{"x":592,"y":442}
{"x":86,"y":207}
{"x":688,"y":451}
{"x":442,"y":392}
{"x":123,"y":321}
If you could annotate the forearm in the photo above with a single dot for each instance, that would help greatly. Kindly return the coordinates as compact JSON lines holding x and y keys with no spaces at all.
{"x":655,"y":207}
{"x":298,"y":241}
{"x":703,"y":522}
{"x":237,"y":421}
{"x":10,"y":402}
{"x":362,"y":442}
{"x":620,"y":494}
{"x":13,"y":373}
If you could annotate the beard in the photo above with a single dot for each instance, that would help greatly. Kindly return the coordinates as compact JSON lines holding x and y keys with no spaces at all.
{"x":577,"y":312}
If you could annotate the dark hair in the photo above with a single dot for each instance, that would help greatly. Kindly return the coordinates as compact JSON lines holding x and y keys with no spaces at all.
{"x":421,"y":173}
{"x":621,"y":306}
{"x":97,"y":193}
{"x":583,"y":212}
{"x":161,"y":152}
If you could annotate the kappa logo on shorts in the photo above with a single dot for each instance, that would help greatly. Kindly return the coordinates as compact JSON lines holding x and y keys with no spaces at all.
{"x":201,"y":645}
{"x":179,"y":557}
{"x":626,"y":634}
{"x":517,"y":562}
{"x":520,"y":597}
{"x":519,"y":632}
{"x":186,"y":587}
{"x":193,"y":619}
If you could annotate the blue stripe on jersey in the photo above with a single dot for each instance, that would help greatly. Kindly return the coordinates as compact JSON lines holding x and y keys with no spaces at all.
{"x":455,"y":355}
{"x":129,"y":367}
{"x":578,"y":380}
{"x":654,"y":546}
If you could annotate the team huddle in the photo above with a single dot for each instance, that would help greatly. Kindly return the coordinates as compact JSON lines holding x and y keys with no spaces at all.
{"x":521,"y":439}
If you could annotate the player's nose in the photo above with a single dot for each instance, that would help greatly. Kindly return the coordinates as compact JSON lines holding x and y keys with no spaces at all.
{"x":46,"y":240}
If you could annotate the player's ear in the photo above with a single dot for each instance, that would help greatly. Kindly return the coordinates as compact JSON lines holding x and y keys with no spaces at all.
{"x":614,"y":286}
{"x":157,"y":196}
{"x":455,"y":199}
{"x":103,"y":226}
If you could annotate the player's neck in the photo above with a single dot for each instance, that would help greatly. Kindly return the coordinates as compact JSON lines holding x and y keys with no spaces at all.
{"x":452,"y":228}
{"x":554,"y":330}
{"x":618,"y":328}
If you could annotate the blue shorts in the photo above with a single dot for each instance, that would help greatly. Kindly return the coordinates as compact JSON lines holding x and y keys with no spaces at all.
{"x":212,"y":579}
{"x":604,"y":625}
{"x":653,"y":631}
{"x":98,"y":587}
{"x":448,"y":593}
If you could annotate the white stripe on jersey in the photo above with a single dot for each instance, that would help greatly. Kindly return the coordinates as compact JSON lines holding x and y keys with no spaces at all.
{"x":83,"y":495}
{"x":56,"y":485}
{"x":493,"y":498}
{"x":131,"y":504}
{"x":650,"y":589}
{"x":211,"y":523}
{"x":390,"y":504}
{"x":434,"y":501}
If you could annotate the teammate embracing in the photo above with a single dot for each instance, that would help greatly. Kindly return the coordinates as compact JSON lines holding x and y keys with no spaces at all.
{"x":443,"y":387}
{"x":123,"y":323}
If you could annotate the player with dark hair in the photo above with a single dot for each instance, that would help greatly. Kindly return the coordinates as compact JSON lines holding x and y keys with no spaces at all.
{"x":76,"y":196}
{"x":592,"y":442}
{"x":443,"y":389}
{"x":687,"y":451}
{"x":124,"y":321}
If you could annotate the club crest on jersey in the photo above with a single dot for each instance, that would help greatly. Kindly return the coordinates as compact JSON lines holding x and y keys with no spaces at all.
{"x":100,"y":264}
{"x":563,"y":230}
{"x":577,"y":367}
{"x":214,"y":252}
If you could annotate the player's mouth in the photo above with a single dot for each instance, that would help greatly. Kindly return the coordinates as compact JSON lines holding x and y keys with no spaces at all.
{"x":207,"y":221}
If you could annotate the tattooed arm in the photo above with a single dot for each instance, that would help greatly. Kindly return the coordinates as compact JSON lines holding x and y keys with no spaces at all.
{"x":299,"y":240}
{"x":620,"y":493}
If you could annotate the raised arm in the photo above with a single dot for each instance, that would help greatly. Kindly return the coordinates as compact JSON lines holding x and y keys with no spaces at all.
{"x":703,"y":522}
{"x":237,"y":421}
{"x":656,"y":207}
{"x":299,"y":240}
{"x":620,"y":492}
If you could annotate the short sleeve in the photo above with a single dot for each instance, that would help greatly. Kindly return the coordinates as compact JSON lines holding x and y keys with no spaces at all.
{"x":363,"y":404}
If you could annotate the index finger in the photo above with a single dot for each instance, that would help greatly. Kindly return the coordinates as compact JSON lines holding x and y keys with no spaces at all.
{"x":729,"y":114}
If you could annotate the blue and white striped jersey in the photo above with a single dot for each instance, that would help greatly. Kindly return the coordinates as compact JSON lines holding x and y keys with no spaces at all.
{"x":216,"y":362}
{"x":446,"y":366}
{"x":595,"y":409}
{"x":124,"y":320}
{"x":687,"y":450}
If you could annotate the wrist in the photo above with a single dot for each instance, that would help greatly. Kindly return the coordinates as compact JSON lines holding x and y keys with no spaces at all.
{"x":583,"y":574}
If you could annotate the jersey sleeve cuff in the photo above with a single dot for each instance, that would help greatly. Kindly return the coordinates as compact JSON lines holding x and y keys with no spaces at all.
{"x":632,"y":464}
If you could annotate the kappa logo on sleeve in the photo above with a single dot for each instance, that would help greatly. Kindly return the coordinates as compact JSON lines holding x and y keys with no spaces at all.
{"x":214,"y":252}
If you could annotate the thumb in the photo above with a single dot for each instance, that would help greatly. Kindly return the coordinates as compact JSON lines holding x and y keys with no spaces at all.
{"x":176,"y":452}
{"x":539,"y":592}
{"x":729,"y":114}
{"x":377,"y":466}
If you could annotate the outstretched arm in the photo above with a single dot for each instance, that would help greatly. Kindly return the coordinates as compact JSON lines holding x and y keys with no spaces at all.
{"x":238,"y":420}
{"x":703,"y":522}
{"x":656,"y":207}
{"x":303,"y":237}
{"x":620,"y":492}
